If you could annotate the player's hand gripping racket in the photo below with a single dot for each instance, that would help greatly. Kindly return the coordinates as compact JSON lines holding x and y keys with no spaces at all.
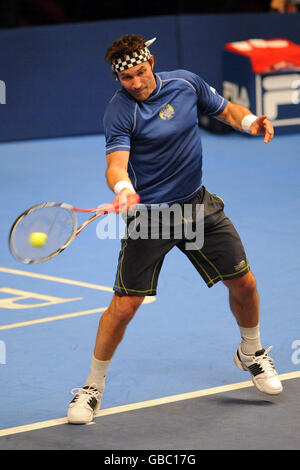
{"x":46,"y":229}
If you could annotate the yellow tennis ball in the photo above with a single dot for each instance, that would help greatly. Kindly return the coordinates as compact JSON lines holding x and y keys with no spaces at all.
{"x":38,"y":239}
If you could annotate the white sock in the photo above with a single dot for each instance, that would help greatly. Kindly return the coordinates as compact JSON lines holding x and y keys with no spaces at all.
{"x":97,"y":373}
{"x":250,"y":340}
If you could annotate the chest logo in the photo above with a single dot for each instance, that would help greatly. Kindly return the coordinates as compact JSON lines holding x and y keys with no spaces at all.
{"x":166,"y":112}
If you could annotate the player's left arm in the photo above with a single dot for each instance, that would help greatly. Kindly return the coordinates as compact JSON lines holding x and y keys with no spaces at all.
{"x":241,"y":118}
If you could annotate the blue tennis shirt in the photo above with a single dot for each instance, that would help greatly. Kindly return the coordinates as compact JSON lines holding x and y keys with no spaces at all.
{"x":162,"y":135}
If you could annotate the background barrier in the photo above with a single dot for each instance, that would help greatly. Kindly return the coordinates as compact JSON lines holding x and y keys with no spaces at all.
{"x":56,"y":83}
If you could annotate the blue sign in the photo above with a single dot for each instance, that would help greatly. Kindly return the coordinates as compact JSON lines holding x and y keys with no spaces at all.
{"x":276,"y":94}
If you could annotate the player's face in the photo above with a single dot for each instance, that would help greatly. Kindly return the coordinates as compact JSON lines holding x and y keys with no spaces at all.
{"x":139,"y":80}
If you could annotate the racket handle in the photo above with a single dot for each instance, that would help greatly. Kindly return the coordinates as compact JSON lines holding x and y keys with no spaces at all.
{"x":130,"y":199}
{"x":111,"y":207}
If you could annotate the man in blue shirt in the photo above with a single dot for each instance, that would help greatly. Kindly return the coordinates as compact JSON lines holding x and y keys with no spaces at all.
{"x":154,"y":148}
{"x":164,"y":166}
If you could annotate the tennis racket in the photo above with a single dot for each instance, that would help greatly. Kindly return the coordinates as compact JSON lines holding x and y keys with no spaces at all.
{"x":58,"y":222}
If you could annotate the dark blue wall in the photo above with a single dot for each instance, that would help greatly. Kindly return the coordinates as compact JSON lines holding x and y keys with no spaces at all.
{"x":202,"y":38}
{"x":57,"y":83}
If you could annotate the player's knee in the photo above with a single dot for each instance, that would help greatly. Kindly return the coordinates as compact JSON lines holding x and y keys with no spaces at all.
{"x":248,"y":283}
{"x":125,"y":307}
{"x":245,"y":285}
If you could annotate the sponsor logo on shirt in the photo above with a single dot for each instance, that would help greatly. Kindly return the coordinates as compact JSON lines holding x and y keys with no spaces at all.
{"x":166,"y":112}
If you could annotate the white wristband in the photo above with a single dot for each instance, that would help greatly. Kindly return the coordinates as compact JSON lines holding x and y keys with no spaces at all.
{"x":247,"y":121}
{"x":121,"y":185}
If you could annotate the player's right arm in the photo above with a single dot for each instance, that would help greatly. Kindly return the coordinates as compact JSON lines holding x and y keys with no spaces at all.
{"x":117,"y":174}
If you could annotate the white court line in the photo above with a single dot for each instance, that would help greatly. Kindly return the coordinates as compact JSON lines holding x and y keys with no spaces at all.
{"x":62,"y":280}
{"x":48,"y":319}
{"x":45,"y":277}
{"x":143,"y":404}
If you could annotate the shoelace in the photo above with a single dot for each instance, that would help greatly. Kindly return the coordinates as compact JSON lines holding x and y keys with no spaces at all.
{"x":81,"y":394}
{"x":264,"y":361}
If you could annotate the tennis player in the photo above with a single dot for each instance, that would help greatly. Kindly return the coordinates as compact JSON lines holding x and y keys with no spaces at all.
{"x":153,"y":147}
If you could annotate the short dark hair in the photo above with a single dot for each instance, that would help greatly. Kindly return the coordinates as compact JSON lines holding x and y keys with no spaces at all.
{"x":124,"y":45}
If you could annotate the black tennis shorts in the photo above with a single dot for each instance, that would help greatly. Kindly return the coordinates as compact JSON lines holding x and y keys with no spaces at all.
{"x":199,"y":228}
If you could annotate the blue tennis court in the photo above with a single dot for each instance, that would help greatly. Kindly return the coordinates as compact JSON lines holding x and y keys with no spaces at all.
{"x":174,"y":369}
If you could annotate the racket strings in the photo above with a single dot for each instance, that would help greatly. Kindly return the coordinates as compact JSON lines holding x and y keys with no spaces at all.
{"x":46,"y":229}
{"x":57,"y":222}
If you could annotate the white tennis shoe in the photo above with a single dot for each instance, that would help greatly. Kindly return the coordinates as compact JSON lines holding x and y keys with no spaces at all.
{"x":84,"y":405}
{"x":262,"y":369}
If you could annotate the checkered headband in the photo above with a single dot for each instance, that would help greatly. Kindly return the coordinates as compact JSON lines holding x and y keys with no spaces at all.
{"x":132,"y":58}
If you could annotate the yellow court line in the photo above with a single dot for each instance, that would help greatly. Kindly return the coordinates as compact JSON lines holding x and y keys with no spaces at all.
{"x":46,"y":277}
{"x":48,"y":319}
{"x":144,"y":404}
